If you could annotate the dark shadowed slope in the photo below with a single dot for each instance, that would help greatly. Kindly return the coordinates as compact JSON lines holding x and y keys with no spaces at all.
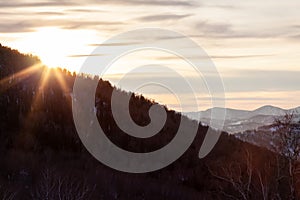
{"x":43,"y":158}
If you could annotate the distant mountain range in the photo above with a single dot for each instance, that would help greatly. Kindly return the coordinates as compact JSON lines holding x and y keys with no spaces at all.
{"x":242,"y":120}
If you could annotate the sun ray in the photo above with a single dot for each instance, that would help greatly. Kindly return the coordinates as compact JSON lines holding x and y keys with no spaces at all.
{"x":29,"y":120}
{"x":38,"y":100}
{"x":14,"y":79}
{"x":61,"y":81}
{"x":38,"y":94}
{"x":40,"y":91}
{"x":41,"y":86}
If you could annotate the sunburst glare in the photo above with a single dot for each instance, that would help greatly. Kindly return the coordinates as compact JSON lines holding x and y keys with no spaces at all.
{"x":13,"y":79}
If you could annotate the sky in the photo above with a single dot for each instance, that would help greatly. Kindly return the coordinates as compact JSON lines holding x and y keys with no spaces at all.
{"x":255,"y":45}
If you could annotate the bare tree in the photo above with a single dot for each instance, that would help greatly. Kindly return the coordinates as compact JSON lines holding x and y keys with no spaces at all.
{"x":235,"y":176}
{"x":46,"y":187}
{"x":6,"y":194}
{"x":69,"y":189}
{"x":53,"y":186}
{"x":263,"y":185}
{"x":289,"y":147}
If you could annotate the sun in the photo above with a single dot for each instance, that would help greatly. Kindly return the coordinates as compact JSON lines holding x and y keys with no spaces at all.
{"x":56,"y":46}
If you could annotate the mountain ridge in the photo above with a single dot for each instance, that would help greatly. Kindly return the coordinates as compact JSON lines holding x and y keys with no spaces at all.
{"x":263,"y":110}
{"x":242,"y":120}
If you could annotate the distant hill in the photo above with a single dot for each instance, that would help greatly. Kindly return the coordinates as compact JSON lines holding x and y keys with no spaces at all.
{"x":42,"y":157}
{"x":242,"y":120}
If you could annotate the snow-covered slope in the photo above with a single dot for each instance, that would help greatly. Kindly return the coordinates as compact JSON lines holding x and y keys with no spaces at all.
{"x":265,"y":136}
{"x":269,"y":110}
{"x":242,"y":120}
{"x":295,"y":110}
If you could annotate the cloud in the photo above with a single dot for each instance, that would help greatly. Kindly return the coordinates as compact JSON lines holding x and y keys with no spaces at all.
{"x":16,"y":27}
{"x":49,"y":13}
{"x":234,"y":81}
{"x":209,"y":98}
{"x":261,"y":80}
{"x":70,"y":24}
{"x":226,"y":7}
{"x":294,"y":36}
{"x":147,"y":2}
{"x":242,"y":56}
{"x":297,"y":26}
{"x":215,"y":28}
{"x":87,"y":55}
{"x":17,"y":4}
{"x":152,"y":18}
{"x":115,"y":44}
{"x":207,"y":29}
{"x":21,"y":15}
{"x":85,"y":10}
{"x":31,"y":25}
{"x":219,"y":56}
{"x":253,"y":98}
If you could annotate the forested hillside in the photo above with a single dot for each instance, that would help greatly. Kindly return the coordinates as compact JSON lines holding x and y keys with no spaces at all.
{"x":42,"y":157}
